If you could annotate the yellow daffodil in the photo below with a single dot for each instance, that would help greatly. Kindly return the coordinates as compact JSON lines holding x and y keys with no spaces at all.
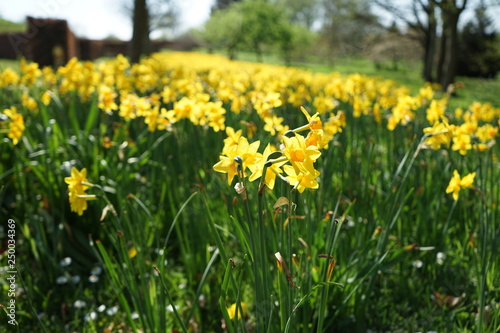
{"x":30,"y":72}
{"x":302,"y":179}
{"x":128,"y":106}
{"x":314,"y":121}
{"x":231,"y":311}
{"x":8,"y":77}
{"x":232,"y":138}
{"x":487,"y":133}
{"x":441,"y":135}
{"x":244,"y":152}
{"x":78,"y":201}
{"x":436,"y":111}
{"x":273,"y":124}
{"x":16,"y":124}
{"x":132,"y":252}
{"x":46,"y":98}
{"x":29,"y":102}
{"x":317,"y":138}
{"x":77,"y":185}
{"x":456,"y":183}
{"x":299,"y":154}
{"x":461,"y":142}
{"x":258,"y":168}
{"x":107,"y":98}
{"x":78,"y":179}
{"x":334,"y":125}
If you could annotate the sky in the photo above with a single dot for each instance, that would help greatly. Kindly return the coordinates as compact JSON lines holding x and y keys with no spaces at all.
{"x":98,"y":19}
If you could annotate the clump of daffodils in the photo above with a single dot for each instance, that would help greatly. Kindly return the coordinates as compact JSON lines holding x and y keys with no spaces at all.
{"x":293,"y":162}
{"x":15,"y":123}
{"x":77,"y":185}
{"x":476,"y":132}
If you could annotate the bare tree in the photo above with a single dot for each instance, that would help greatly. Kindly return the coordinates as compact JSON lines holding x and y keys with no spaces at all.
{"x":148,"y":16}
{"x":428,"y":17}
{"x":420,"y":17}
{"x":346,"y":24}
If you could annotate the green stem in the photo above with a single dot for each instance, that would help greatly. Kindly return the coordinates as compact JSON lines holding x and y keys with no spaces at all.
{"x":332,"y":240}
{"x":176,"y":314}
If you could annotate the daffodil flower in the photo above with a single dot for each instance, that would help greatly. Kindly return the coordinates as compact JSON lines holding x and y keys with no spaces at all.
{"x":77,"y":185}
{"x":457,"y":183}
{"x":232,"y":310}
{"x":302,"y":179}
{"x":271,"y":171}
{"x":246,"y":152}
{"x":16,"y":124}
{"x":299,"y":154}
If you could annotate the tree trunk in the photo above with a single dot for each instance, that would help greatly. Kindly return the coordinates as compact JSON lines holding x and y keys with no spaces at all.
{"x":447,"y":68}
{"x":258,"y":52}
{"x":140,"y":43}
{"x":430,"y":44}
{"x":442,"y":55}
{"x":451,"y":45}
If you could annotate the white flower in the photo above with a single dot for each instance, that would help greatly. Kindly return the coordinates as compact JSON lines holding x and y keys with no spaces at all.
{"x":65,"y":262}
{"x":79,"y":304}
{"x":61,"y":279}
{"x":75,"y":279}
{"x":417,"y":263}
{"x":97,"y":270}
{"x":134,"y":315}
{"x":90,"y":316}
{"x":440,"y":257}
{"x":93,"y":278}
{"x":112,"y":310}
{"x":101,"y":308}
{"x":170,"y":308}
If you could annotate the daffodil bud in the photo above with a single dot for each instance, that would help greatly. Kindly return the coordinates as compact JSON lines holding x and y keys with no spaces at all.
{"x":274,"y":155}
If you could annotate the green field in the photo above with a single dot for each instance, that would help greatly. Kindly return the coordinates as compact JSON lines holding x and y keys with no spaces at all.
{"x":8,"y":26}
{"x":190,"y":193}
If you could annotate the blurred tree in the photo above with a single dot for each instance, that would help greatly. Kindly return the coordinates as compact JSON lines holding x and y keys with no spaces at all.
{"x":346,"y":24}
{"x":448,"y":56}
{"x":163,"y":15}
{"x":420,"y":17}
{"x":437,"y":22}
{"x":296,"y":42}
{"x":388,"y":49}
{"x":222,"y":31}
{"x":148,"y":16}
{"x":263,"y":23}
{"x":222,"y":4}
{"x":253,"y":25}
{"x":479,"y":52}
{"x":301,"y":12}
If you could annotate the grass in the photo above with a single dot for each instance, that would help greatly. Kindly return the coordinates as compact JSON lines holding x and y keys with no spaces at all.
{"x":8,"y":26}
{"x":168,"y":244}
{"x":4,"y":63}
